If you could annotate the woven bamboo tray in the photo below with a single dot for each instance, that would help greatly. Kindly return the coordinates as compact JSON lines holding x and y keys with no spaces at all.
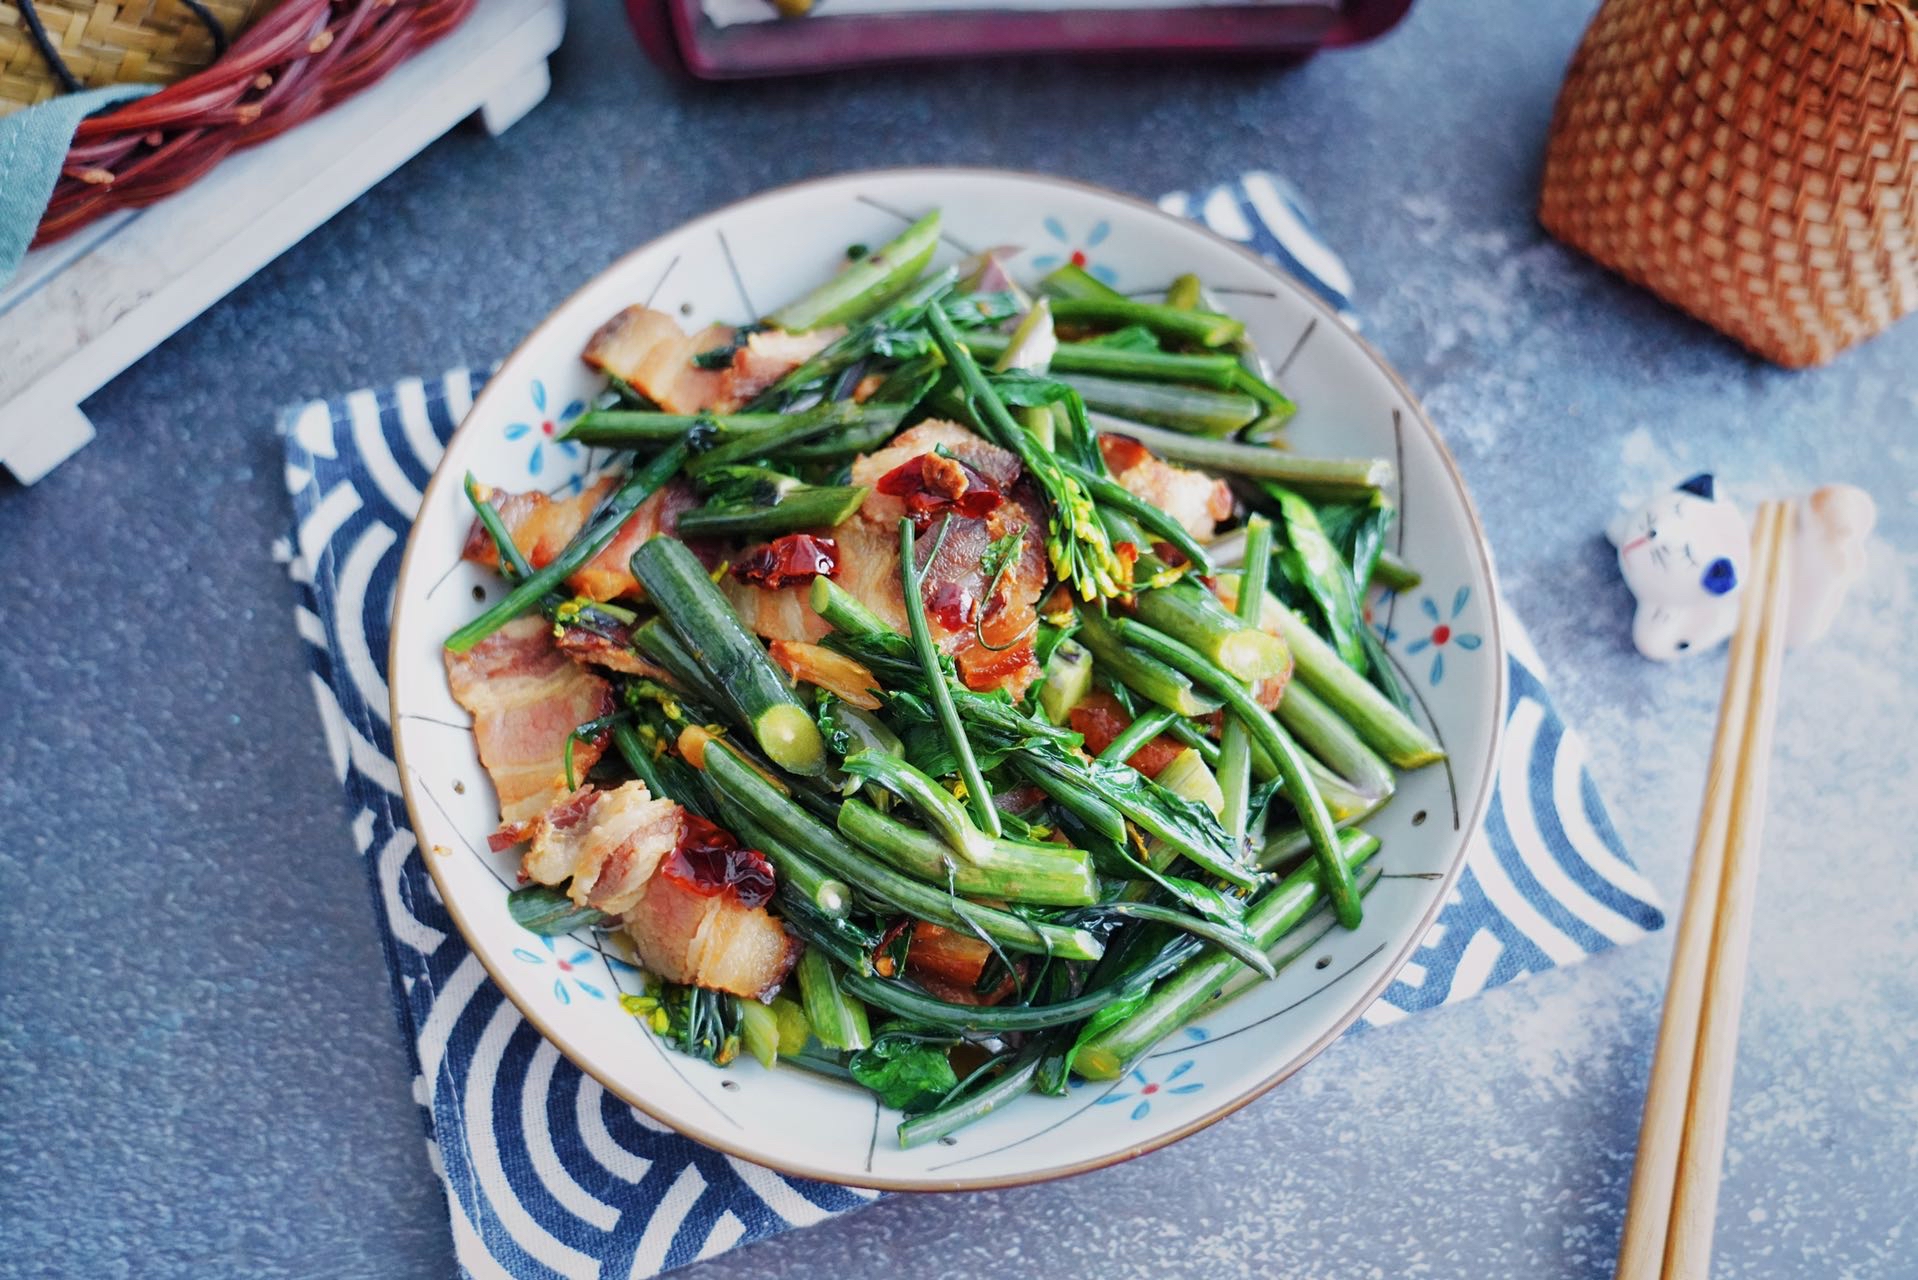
{"x":102,"y":42}
{"x":1754,"y":162}
{"x":296,"y":61}
{"x":79,"y":312}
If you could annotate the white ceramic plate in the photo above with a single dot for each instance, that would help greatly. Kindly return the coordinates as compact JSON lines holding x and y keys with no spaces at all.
{"x":747,"y":259}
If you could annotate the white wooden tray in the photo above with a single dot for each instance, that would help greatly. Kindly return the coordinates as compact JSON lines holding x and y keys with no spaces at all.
{"x":83,"y":309}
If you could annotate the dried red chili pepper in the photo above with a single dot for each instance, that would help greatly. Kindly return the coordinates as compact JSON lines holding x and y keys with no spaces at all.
{"x":787,"y":561}
{"x":709,"y":860}
{"x":1122,"y":453}
{"x":933,"y":484}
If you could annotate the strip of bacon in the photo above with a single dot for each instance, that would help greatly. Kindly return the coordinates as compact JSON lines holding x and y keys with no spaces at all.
{"x":649,"y":350}
{"x":613,"y":846}
{"x":769,"y":355}
{"x":652,"y":353}
{"x":1100,"y":719}
{"x":615,"y":652}
{"x":1000,"y":466}
{"x":608,"y":843}
{"x":1194,"y":499}
{"x":710,"y":940}
{"x":949,"y":965}
{"x":541,"y":526}
{"x":955,"y":585}
{"x":526,"y":698}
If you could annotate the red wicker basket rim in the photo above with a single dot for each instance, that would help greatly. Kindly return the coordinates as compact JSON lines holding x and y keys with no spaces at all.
{"x":299,"y":59}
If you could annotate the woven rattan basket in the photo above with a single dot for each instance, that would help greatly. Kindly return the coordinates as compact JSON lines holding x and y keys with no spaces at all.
{"x":296,"y":61}
{"x":1754,"y":162}
{"x":101,"y":42}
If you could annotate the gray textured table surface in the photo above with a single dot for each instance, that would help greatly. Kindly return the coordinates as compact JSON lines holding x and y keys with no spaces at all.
{"x":199,"y":1072}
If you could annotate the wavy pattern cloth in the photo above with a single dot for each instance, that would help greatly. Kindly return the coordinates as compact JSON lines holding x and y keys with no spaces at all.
{"x":546,"y":1174}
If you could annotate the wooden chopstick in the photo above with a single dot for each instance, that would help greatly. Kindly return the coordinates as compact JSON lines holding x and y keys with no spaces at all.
{"x":1674,"y":1195}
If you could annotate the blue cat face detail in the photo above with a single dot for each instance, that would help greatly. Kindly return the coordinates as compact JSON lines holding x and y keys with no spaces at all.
{"x":1700,"y":486}
{"x":1720,"y":576}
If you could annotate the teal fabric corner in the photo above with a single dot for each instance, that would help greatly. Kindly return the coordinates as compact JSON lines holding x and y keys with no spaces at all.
{"x":33,"y":146}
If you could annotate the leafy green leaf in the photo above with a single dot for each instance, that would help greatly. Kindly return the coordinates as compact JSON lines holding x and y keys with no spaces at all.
{"x":1047,"y":639}
{"x":1075,"y":439}
{"x":907,"y":1068}
{"x":1383,"y":675}
{"x":925,"y":744}
{"x":998,"y":725}
{"x":547,"y":911}
{"x":1112,"y":860}
{"x":746,"y":486}
{"x":849,"y":729}
{"x":1310,"y":561}
{"x":1358,"y":530}
{"x":1133,"y":337}
{"x":1263,"y":794}
{"x":1166,"y":814}
{"x":905,"y":337}
{"x":721,"y":357}
{"x":698,"y":1022}
{"x":1109,"y":1016}
{"x":976,"y":310}
{"x":1001,"y":552}
{"x":1209,"y":902}
{"x":902,"y":343}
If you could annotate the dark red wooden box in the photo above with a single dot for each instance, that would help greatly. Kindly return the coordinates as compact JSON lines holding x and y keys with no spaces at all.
{"x":677,"y":35}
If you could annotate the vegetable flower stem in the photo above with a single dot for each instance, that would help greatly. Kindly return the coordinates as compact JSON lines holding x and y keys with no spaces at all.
{"x":1293,"y":771}
{"x":1318,"y":478}
{"x":1013,"y":871}
{"x":641,"y":485}
{"x":1176,"y":1000}
{"x":978,"y":795}
{"x":1235,"y":741}
{"x":785,"y":821}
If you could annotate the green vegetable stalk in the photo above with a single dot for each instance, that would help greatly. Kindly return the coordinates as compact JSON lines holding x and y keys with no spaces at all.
{"x":806,"y":835}
{"x":705,"y":623}
{"x":1174,"y":1001}
{"x":867,"y":284}
{"x":1004,"y":870}
{"x":836,"y":1018}
{"x":1193,"y":409}
{"x":1076,"y":541}
{"x":1174,"y":324}
{"x":978,"y":795}
{"x":1218,"y":372}
{"x":530,"y":590}
{"x":1188,"y":612}
{"x":1300,"y":788}
{"x":1235,"y":741}
{"x":1317,"y":478}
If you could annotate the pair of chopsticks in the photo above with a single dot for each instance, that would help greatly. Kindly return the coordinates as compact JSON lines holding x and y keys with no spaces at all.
{"x":1681,"y":1141}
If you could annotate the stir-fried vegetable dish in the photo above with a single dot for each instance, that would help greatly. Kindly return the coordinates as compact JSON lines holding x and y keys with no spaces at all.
{"x":945,"y":687}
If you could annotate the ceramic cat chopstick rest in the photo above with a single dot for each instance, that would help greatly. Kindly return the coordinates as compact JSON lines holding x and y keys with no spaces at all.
{"x":1684,"y":553}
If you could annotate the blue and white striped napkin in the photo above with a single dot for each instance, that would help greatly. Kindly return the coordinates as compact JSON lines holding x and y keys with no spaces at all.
{"x":547,"y":1175}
